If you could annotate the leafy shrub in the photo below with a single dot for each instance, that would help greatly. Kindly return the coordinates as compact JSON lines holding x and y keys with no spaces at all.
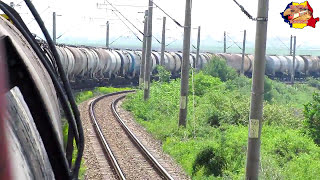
{"x":312,"y":115}
{"x":282,"y":115}
{"x":267,"y":89}
{"x":296,"y":95}
{"x":306,"y":166}
{"x":163,"y":74}
{"x":218,"y":67}
{"x":223,"y":107}
{"x":203,"y":83}
{"x":211,"y":163}
{"x":313,"y":82}
{"x":241,"y":82}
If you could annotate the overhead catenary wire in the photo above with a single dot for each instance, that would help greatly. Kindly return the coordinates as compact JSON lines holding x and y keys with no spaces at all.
{"x":73,"y":28}
{"x":234,"y":41}
{"x":171,"y":42}
{"x":115,"y":9}
{"x":245,"y":11}
{"x":174,"y":20}
{"x":124,"y":17}
{"x":123,"y":35}
{"x":127,"y":26}
{"x":230,"y":46}
{"x":282,"y":42}
{"x":116,"y":39}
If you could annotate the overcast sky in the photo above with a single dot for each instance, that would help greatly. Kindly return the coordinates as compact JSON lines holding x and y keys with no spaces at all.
{"x":82,"y":19}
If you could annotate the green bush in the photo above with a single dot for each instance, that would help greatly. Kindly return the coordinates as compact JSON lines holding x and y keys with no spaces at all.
{"x":208,"y":161}
{"x":306,"y":166}
{"x":313,"y":82}
{"x":203,"y":83}
{"x":241,"y":82}
{"x":267,"y":89}
{"x":275,"y":92}
{"x":223,"y":107}
{"x":312,"y":115}
{"x":163,"y":74}
{"x":296,"y":95}
{"x":284,"y":144}
{"x":218,"y":67}
{"x":282,"y":115}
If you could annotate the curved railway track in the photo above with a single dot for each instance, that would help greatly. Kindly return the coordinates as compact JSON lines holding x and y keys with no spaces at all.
{"x":123,"y":150}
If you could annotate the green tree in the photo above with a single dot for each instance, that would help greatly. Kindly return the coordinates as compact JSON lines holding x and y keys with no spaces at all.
{"x":163,"y":74}
{"x":218,"y":67}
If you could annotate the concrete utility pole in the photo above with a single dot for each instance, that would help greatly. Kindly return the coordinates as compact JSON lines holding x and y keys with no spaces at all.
{"x":225,"y":42}
{"x":185,"y":66}
{"x":54,"y":33}
{"x":294,"y":60}
{"x":148,"y":53}
{"x":255,"y":120}
{"x":144,"y":45}
{"x":291,"y":45}
{"x":243,"y":51}
{"x":198,"y":48}
{"x":107,"y":35}
{"x":163,"y":42}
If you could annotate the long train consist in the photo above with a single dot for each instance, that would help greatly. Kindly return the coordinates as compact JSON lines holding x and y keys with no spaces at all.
{"x":278,"y":66}
{"x":83,"y":63}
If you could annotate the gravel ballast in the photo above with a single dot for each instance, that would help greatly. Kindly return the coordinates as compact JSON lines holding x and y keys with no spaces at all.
{"x":130,"y":159}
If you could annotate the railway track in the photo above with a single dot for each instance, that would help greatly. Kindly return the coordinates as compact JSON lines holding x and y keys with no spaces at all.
{"x":128,"y":158}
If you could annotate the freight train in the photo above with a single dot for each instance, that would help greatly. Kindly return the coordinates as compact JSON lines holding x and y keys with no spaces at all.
{"x":89,"y":63}
{"x":280,"y":67}
{"x":99,"y":63}
{"x":91,"y":66}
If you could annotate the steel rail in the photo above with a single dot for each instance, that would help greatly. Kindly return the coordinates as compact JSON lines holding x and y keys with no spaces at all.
{"x":152,"y":159}
{"x":103,"y":140}
{"x":130,"y":134}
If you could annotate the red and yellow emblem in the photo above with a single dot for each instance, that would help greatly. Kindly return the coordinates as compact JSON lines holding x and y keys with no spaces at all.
{"x":299,"y":15}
